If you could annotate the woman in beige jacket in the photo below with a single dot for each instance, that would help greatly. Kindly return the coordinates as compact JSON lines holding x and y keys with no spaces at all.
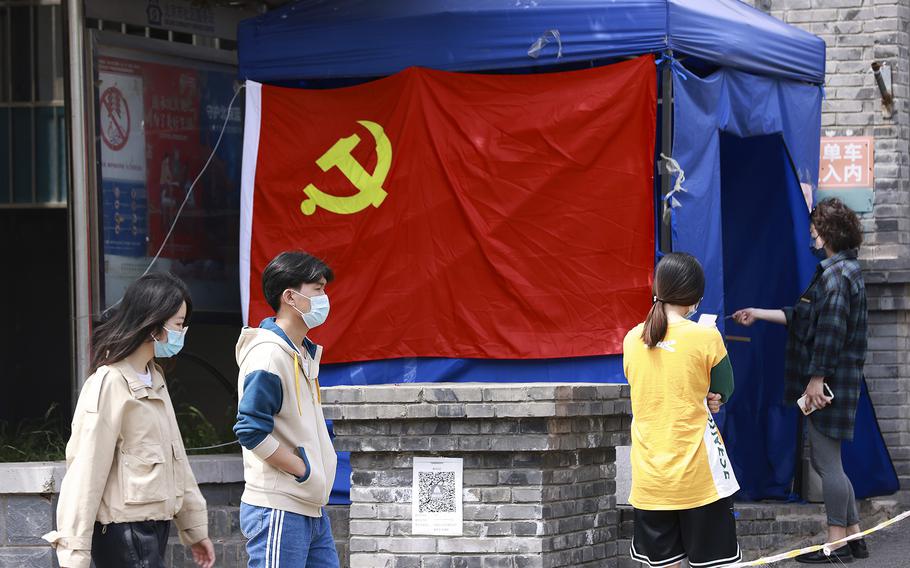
{"x":127,"y":472}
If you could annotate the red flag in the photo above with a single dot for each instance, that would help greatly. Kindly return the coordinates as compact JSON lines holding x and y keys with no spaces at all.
{"x":464,"y":215}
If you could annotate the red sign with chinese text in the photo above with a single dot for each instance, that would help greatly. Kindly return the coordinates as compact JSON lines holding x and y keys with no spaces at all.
{"x":846,"y":161}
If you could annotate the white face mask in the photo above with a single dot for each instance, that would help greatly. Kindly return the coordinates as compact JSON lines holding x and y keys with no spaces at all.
{"x":692,"y":311}
{"x":319,"y":310}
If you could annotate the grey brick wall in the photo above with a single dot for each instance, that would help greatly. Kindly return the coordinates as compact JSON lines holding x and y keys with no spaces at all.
{"x":858,"y":32}
{"x":539,"y":477}
{"x":25,"y":517}
{"x":539,"y":471}
{"x":28,"y":498}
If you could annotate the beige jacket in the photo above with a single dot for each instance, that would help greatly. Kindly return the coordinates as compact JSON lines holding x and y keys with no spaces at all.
{"x":125,"y":462}
{"x":271,"y":369}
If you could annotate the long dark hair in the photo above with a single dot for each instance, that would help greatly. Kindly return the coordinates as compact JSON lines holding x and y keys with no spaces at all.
{"x":678,"y":280}
{"x":147,"y":304}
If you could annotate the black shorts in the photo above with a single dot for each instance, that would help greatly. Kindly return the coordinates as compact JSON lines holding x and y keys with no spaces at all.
{"x":705,"y":535}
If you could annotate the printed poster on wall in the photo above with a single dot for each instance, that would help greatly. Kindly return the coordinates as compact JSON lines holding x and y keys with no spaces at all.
{"x":120,"y":118}
{"x":436,"y":496}
{"x":121,"y":129}
{"x":158,"y":123}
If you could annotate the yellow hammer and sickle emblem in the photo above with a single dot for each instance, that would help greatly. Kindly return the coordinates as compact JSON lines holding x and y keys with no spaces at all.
{"x":369,"y":186}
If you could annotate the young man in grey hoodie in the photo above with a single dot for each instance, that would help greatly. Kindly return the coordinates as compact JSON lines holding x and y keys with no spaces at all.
{"x":288,"y":458}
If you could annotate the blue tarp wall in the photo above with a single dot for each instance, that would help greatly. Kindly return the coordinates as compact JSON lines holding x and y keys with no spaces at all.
{"x":747,"y":115}
{"x":748,"y":145}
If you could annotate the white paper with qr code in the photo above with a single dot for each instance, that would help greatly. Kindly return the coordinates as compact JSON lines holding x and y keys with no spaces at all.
{"x":436,"y":496}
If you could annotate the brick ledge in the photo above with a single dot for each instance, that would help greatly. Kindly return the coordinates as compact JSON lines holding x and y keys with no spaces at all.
{"x":46,"y":477}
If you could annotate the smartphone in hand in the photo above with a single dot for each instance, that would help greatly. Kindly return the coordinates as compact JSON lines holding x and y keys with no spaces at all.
{"x":807,"y":410}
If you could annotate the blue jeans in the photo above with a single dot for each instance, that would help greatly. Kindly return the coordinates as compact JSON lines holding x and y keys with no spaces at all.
{"x":281,"y":538}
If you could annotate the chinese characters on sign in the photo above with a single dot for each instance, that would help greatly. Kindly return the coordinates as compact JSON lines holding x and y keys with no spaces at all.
{"x":846,"y":170}
{"x":846,"y":161}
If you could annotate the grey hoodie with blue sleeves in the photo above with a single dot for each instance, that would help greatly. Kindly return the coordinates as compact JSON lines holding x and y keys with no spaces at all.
{"x":278,"y":389}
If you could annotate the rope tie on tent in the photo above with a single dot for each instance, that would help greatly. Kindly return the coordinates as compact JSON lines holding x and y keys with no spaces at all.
{"x":828,"y":547}
{"x":670,"y":201}
{"x":542,"y":41}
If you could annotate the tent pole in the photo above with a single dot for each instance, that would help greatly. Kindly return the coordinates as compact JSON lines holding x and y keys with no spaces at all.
{"x":666,"y":148}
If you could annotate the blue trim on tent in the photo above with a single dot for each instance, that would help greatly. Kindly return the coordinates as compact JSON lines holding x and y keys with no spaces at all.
{"x":605,"y":369}
{"x":319,"y":39}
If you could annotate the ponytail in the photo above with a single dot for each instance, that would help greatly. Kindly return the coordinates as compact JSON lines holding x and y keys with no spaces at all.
{"x":655,"y":324}
{"x":678,"y":280}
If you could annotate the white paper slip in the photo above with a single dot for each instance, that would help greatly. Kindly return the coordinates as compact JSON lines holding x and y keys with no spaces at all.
{"x":436,"y":496}
{"x":708,"y":320}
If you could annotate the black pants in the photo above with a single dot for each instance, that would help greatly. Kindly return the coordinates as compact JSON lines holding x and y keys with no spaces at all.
{"x":130,"y":545}
{"x":705,"y":535}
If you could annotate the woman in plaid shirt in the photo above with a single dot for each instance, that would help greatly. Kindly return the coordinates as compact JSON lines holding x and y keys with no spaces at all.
{"x":826,"y":344}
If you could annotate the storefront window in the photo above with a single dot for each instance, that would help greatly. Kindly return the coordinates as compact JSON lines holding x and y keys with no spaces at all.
{"x":158,"y":119}
{"x":32,"y":120}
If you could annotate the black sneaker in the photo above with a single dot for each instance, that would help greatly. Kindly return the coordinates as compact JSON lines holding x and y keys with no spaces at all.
{"x":858,"y":548}
{"x":841,"y":555}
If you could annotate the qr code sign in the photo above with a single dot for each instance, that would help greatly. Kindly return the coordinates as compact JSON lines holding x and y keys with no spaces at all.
{"x":436,"y":491}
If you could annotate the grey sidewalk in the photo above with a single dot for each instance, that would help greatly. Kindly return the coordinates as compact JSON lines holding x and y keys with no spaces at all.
{"x":889,"y":548}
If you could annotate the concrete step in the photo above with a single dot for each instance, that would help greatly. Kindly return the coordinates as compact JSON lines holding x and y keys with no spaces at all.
{"x":803,"y":525}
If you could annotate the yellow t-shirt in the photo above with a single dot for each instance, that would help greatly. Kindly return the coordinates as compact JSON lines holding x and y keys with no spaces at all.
{"x":678,"y":456}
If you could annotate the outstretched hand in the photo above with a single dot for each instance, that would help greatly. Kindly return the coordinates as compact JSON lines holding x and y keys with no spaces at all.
{"x":745,"y":317}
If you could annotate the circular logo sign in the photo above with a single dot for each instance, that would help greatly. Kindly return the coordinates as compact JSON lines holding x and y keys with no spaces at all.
{"x":115,"y":119}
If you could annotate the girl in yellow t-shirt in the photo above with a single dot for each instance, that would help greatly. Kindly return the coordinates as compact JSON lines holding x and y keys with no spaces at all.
{"x":682,"y":478}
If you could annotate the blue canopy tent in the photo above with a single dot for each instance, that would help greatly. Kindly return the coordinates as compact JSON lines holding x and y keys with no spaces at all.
{"x":744,"y":126}
{"x":323,"y":39}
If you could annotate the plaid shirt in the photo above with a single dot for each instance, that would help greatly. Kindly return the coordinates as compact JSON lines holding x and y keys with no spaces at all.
{"x":827,"y":338}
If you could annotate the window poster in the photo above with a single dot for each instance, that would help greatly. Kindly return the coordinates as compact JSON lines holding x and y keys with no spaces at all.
{"x":157,"y":123}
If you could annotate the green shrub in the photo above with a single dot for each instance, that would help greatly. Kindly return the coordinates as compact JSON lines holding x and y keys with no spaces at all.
{"x":35,"y":439}
{"x":44,"y":438}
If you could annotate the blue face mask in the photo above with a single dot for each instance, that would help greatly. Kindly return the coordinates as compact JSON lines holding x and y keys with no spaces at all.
{"x":319,"y":310}
{"x":818,"y":253}
{"x":172,"y":346}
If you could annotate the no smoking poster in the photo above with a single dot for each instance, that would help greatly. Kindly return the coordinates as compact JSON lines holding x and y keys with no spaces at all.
{"x":123,"y":163}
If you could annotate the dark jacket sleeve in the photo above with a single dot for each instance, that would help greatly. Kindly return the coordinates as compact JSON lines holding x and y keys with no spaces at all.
{"x":788,"y":314}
